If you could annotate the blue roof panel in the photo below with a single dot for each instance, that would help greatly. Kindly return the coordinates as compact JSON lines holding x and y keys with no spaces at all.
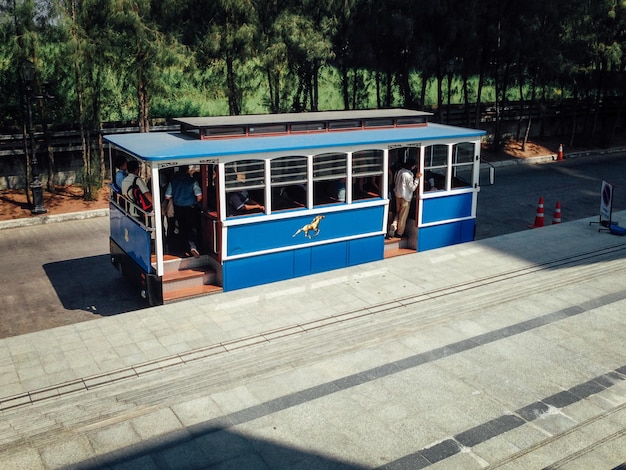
{"x":165,"y":146}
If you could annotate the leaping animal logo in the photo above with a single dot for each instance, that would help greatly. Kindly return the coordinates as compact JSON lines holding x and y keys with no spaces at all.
{"x":312,"y":227}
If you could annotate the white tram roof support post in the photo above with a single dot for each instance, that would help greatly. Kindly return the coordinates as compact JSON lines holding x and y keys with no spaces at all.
{"x":348,"y":180}
{"x":267,"y":191}
{"x":223,"y":196}
{"x":158,"y":220}
{"x":309,"y":177}
{"x":111,"y":164}
{"x":449,"y":165}
{"x":476,"y":177}
{"x":385,"y":188}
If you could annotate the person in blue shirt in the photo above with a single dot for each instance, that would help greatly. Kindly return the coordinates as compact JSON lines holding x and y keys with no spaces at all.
{"x":185,"y":193}
{"x":122,"y":172}
{"x":240,"y":203}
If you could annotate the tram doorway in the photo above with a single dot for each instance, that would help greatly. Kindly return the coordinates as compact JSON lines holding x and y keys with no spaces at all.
{"x":399,"y":158}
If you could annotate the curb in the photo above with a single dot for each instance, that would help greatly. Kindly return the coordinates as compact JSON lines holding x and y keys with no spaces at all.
{"x":550,"y":158}
{"x":50,"y":219}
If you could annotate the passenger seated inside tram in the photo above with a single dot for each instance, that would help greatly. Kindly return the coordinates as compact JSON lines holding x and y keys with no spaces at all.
{"x":240,"y":203}
{"x":433,"y":181}
{"x":340,"y":190}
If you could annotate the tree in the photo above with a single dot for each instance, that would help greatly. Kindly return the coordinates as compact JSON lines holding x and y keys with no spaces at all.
{"x":231,"y":38}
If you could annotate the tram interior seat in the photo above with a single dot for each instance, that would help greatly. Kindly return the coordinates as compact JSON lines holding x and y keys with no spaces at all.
{"x":289,"y":197}
{"x":366,"y":188}
{"x":329,"y":192}
{"x":459,"y":183}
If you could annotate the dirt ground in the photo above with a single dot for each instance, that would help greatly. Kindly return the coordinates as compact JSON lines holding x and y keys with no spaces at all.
{"x":13,"y":203}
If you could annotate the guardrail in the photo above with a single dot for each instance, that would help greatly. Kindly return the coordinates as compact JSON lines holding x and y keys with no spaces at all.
{"x":61,"y":141}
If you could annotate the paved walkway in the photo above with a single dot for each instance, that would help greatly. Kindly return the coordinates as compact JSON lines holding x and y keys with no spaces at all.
{"x":507,"y":352}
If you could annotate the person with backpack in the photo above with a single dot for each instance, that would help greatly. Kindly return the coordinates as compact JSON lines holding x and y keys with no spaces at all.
{"x":136,"y":190}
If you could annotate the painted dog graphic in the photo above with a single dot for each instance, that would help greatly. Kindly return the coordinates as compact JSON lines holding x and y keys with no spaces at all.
{"x":312,"y":227}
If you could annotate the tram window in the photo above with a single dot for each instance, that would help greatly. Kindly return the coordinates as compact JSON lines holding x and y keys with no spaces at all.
{"x":245,"y":187}
{"x":223,"y":131}
{"x":367,"y":173}
{"x":462,"y":176}
{"x":329,"y":178}
{"x":308,"y":126}
{"x":268,"y":129}
{"x":346,"y":124}
{"x":462,"y":164}
{"x":378,"y":123}
{"x":289,"y":182}
{"x":435,"y":167}
{"x":411,"y":121}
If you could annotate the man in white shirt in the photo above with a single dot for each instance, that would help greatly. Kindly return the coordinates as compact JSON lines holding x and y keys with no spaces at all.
{"x":405,"y":185}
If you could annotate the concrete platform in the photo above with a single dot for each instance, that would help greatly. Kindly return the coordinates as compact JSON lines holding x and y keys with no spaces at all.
{"x":501,"y":353}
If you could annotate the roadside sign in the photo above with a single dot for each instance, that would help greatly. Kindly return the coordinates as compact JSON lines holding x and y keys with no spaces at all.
{"x":606,"y":202}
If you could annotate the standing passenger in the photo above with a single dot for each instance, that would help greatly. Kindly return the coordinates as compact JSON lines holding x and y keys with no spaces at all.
{"x":185,"y":192}
{"x":127,"y":185}
{"x":121,"y":165}
{"x":405,"y":185}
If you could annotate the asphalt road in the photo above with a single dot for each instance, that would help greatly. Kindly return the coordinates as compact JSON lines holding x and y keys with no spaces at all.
{"x":510,"y":205}
{"x":59,"y":274}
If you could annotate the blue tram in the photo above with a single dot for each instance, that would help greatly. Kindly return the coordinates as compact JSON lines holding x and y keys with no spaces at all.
{"x":288,"y":195}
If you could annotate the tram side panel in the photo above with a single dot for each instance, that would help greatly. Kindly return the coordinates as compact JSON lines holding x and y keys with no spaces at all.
{"x":269,"y":251}
{"x":130,"y":254}
{"x":451,"y":218}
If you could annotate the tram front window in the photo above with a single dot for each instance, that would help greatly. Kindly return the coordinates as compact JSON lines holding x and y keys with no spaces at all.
{"x":367,"y":173}
{"x":245,"y":187}
{"x":435,"y":167}
{"x":329,"y":178}
{"x":462,"y":164}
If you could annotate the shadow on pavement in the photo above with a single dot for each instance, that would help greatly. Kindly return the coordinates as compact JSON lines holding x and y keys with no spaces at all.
{"x":93,"y":285}
{"x":213,"y":448}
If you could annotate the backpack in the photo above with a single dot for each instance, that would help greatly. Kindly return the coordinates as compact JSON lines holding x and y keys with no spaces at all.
{"x":139,"y":198}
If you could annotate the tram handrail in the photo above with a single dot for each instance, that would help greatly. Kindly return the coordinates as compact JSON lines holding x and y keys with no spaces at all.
{"x":215,"y":245}
{"x":130,"y":209}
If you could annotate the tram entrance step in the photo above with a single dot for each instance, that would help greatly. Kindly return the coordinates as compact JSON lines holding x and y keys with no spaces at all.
{"x":176,"y":263}
{"x":189,"y":292}
{"x":184,"y":278}
{"x":395,"y":246}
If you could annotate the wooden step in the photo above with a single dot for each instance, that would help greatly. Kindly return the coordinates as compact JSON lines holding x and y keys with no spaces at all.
{"x":175,"y":280}
{"x":190,"y":292}
{"x":393,"y":252}
{"x":176,"y":263}
{"x":396,"y":246}
{"x":183,"y":274}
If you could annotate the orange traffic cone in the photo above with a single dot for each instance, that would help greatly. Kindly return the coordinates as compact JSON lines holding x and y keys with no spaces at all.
{"x":560,"y":155}
{"x":539,"y":216}
{"x":557,"y":214}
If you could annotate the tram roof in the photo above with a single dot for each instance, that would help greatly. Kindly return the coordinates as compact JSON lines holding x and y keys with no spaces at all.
{"x":314,"y":116}
{"x":166,"y":146}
